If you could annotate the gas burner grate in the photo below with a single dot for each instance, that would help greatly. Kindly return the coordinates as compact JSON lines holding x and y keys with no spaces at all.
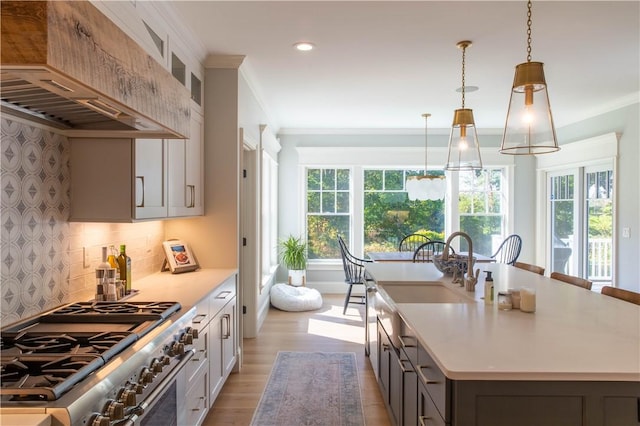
{"x":44,"y":377}
{"x":106,"y":344}
{"x":112,"y":311}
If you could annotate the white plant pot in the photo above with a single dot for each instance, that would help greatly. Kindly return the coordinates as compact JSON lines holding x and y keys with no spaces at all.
{"x":297,"y":277}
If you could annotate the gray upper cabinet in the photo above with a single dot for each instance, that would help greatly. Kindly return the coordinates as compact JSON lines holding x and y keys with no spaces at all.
{"x":118,"y":180}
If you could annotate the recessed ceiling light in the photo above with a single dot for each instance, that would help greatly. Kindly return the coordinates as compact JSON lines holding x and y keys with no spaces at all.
{"x":304,"y":46}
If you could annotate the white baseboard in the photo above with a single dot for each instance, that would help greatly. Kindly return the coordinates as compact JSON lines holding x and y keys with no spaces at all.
{"x":332,"y":287}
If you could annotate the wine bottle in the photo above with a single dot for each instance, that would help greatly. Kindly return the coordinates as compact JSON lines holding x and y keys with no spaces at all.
{"x":124,"y":263}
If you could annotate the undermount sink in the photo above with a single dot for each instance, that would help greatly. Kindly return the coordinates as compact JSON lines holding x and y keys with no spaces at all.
{"x":424,"y":294}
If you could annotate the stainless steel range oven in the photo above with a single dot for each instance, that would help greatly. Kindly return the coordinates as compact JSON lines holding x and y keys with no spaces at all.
{"x":99,"y":364}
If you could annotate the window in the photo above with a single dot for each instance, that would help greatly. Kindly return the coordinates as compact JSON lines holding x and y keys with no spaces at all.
{"x":579,"y":186}
{"x":481,"y":205}
{"x":328,"y":211}
{"x":269,"y":215}
{"x":389,"y":215}
{"x":581,"y":219}
{"x":360,"y":194}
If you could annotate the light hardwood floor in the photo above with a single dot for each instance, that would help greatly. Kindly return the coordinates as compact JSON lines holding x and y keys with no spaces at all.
{"x":324,"y":330}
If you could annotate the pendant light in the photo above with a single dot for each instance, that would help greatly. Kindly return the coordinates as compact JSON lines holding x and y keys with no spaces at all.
{"x":426,"y":187}
{"x":464,"y":151}
{"x":529,"y":128}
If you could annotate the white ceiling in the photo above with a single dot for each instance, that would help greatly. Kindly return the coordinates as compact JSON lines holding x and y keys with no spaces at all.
{"x":379,"y":65}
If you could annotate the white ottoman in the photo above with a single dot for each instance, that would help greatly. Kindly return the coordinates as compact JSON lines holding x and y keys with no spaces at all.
{"x":295,"y":299}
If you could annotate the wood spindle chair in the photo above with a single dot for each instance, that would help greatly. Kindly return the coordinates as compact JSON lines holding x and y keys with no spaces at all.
{"x":529,"y":267}
{"x":427,"y":250}
{"x":354,"y":273}
{"x":622,"y":294}
{"x":577,"y":281}
{"x":412,"y":241}
{"x":509,"y":250}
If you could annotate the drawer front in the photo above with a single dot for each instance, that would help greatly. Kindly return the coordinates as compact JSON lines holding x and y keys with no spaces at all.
{"x":434,"y":380}
{"x":428,"y":414}
{"x":196,"y":400}
{"x":202,"y":317}
{"x":409,"y":343}
{"x":221,"y":296}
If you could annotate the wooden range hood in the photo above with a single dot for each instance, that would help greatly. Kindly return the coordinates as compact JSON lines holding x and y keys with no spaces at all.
{"x":65,"y":64}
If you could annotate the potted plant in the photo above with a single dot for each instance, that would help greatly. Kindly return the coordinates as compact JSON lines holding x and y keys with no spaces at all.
{"x":294,"y":256}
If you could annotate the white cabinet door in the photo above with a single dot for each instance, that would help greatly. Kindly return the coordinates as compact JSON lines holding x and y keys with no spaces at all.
{"x":118,"y":180}
{"x":228,"y":337}
{"x":150,"y":179}
{"x":186,"y":171}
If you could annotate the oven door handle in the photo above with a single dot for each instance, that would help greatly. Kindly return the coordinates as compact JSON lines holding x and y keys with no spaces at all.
{"x":159,"y":390}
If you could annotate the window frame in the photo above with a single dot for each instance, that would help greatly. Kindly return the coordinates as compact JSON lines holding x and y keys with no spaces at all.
{"x":359,"y":158}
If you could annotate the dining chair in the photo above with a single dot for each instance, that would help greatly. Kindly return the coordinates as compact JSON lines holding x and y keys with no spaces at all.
{"x":529,"y":267}
{"x":412,"y":241}
{"x":354,"y":273}
{"x":622,"y":294}
{"x":427,"y":250}
{"x":509,"y":250}
{"x":571,"y":279}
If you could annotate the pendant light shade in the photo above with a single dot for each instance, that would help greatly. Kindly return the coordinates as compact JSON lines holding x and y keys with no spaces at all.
{"x":464,"y":150}
{"x":529,"y":127}
{"x":428,"y":186}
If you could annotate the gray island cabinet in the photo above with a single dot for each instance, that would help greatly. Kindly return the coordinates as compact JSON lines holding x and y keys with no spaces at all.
{"x":439,"y":361}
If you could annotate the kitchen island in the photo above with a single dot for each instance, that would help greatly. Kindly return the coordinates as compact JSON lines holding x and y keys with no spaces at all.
{"x":576,"y":360}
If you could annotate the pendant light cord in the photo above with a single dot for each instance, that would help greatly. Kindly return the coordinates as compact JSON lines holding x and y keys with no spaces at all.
{"x":464,"y":49}
{"x":426,"y":119}
{"x":528,"y":31}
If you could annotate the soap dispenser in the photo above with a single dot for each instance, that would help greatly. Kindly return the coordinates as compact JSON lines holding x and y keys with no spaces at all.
{"x":488,"y":289}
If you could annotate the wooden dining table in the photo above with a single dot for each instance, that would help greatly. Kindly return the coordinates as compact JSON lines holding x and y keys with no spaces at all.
{"x":407,"y":256}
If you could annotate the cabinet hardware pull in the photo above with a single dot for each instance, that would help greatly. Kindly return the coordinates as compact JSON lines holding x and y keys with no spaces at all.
{"x":403,"y":367}
{"x":227,"y":319}
{"x":141,"y":178}
{"x":200,"y":317}
{"x":404,"y":345}
{"x":423,"y":420}
{"x":423,"y":377}
{"x":192,"y":192}
{"x":385,"y":347}
{"x":223,"y":295}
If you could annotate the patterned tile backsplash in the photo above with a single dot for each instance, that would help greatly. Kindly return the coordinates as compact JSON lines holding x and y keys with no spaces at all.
{"x":42,"y":254}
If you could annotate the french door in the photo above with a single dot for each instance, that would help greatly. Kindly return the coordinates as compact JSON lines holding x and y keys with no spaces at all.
{"x":580,"y":218}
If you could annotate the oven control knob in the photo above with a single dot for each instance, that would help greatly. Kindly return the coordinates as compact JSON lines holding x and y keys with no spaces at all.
{"x":193,"y":332}
{"x":165,"y":360}
{"x":156,"y":366}
{"x":176,"y":349}
{"x":146,"y":376}
{"x":128,"y":397}
{"x":137,"y":387}
{"x":99,"y":420}
{"x":115,"y":410}
{"x":186,"y":338}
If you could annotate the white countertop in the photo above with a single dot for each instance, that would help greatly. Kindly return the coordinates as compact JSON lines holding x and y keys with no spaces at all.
{"x":575,"y":334}
{"x":187,"y":288}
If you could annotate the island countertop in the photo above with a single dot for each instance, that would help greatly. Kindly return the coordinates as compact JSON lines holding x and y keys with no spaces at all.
{"x":574,"y":335}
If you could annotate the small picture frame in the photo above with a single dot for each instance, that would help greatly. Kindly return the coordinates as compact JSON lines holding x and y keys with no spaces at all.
{"x":178,"y":257}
